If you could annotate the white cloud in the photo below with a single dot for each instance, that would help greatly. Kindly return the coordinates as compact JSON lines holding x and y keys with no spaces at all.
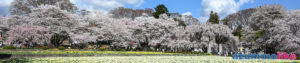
{"x":104,"y":5}
{"x":5,"y":3}
{"x":187,"y":13}
{"x":222,"y":7}
{"x":4,"y":7}
{"x":101,"y":5}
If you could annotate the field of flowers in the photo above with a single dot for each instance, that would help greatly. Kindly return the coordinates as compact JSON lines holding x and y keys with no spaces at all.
{"x":143,"y":59}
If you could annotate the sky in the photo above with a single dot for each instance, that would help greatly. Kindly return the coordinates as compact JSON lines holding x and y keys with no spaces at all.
{"x":197,"y":8}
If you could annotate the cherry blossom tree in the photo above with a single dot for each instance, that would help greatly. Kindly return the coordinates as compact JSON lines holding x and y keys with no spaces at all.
{"x":45,"y":16}
{"x":29,"y":36}
{"x":272,"y":28}
{"x":24,"y":7}
{"x":102,"y":27}
{"x":49,"y":15}
{"x":210,"y":35}
{"x":164,"y":34}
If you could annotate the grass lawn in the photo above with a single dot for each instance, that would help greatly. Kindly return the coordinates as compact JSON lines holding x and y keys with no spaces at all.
{"x":87,"y":52}
{"x":93,"y":56}
{"x":143,"y":59}
{"x":68,"y":52}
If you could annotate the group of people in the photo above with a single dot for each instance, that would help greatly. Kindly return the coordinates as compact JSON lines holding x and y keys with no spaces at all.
{"x":224,"y":54}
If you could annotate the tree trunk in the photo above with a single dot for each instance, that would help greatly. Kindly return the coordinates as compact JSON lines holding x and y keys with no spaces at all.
{"x":220,"y":49}
{"x":209,"y":48}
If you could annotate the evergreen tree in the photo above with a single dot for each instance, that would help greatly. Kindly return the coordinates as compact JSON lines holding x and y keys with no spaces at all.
{"x":238,"y":32}
{"x":213,"y":18}
{"x":160,"y":9}
{"x":225,"y":21}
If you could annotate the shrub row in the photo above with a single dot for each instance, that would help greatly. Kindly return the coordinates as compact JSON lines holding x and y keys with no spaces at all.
{"x":43,"y":48}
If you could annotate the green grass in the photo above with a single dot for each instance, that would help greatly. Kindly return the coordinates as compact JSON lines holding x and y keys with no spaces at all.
{"x":143,"y":59}
{"x":68,"y":52}
{"x":122,"y":57}
{"x":91,"y":52}
{"x":9,"y":47}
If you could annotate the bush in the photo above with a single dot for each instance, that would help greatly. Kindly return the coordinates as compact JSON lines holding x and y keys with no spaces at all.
{"x":9,"y":47}
{"x":188,"y":52}
{"x":45,"y":47}
{"x":180,"y":22}
{"x":138,"y":31}
{"x":61,"y":48}
{"x":213,"y":53}
{"x":119,"y":49}
{"x":101,"y":49}
{"x":298,"y":58}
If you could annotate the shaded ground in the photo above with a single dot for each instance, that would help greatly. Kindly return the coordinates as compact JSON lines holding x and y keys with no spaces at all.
{"x":24,"y":53}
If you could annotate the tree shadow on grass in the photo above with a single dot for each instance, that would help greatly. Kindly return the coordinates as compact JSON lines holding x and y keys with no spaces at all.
{"x":14,"y":60}
{"x":6,"y":58}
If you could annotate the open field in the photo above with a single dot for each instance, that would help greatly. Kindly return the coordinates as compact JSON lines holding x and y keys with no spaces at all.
{"x":143,"y":59}
{"x":92,"y":56}
{"x":78,"y":52}
{"x":35,"y":53}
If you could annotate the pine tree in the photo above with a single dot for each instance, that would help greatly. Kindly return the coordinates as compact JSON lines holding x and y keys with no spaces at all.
{"x":160,"y":9}
{"x":213,"y":18}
